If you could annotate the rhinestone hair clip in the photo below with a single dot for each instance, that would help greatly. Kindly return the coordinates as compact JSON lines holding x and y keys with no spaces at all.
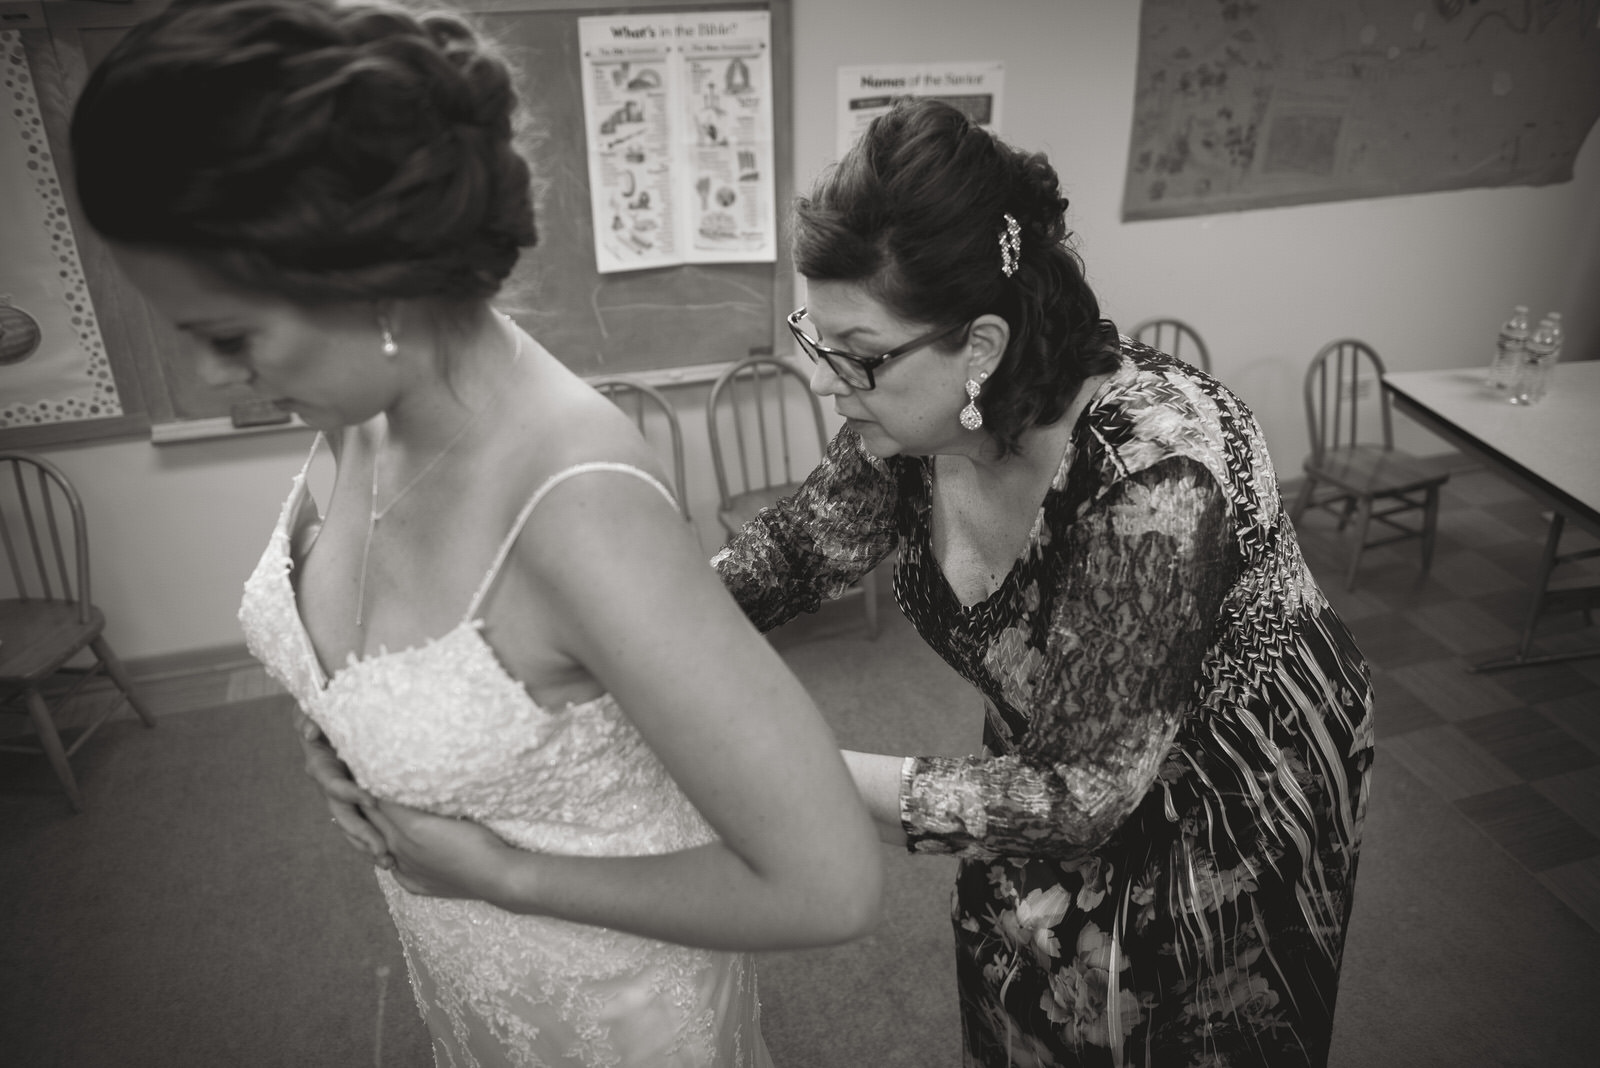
{"x":1010,"y":246}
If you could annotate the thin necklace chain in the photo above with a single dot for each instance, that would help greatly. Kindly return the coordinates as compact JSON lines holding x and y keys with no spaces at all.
{"x":375,"y":514}
{"x":378,"y":513}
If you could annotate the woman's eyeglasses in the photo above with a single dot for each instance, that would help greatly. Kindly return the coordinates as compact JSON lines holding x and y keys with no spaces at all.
{"x":855,"y":370}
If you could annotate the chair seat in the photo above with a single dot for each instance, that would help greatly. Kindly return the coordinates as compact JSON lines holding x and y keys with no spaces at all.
{"x":1369,"y":470}
{"x":48,"y":617}
{"x":37,"y":637}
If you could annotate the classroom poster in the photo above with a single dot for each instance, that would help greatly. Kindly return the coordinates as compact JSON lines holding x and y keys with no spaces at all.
{"x":976,"y":88}
{"x":53,"y":363}
{"x":678,"y":120}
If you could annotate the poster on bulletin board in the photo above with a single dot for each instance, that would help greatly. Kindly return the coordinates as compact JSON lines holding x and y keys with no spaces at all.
{"x":975,"y":88}
{"x":679,"y":123}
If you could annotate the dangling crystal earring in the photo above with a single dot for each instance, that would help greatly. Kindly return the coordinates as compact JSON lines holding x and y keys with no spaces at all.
{"x":390,"y":348}
{"x":971,"y":418}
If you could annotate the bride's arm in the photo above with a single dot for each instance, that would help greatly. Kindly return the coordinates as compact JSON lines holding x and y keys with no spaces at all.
{"x":797,"y":863}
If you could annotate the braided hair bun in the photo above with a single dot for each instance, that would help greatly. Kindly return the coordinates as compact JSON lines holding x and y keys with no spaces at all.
{"x":324,"y":150}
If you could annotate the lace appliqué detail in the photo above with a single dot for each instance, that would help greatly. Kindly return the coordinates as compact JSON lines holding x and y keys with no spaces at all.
{"x":443,"y":727}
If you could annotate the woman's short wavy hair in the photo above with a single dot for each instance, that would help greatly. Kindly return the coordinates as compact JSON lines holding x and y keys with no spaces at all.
{"x":321,"y":150}
{"x":913,"y":213}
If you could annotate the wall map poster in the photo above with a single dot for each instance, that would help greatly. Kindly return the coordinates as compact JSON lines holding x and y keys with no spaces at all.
{"x":1243,"y":104}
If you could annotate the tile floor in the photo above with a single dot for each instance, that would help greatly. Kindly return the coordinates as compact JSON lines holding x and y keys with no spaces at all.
{"x":1517,"y":752}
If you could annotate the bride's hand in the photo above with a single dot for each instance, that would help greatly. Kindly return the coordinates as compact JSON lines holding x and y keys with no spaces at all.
{"x":344,"y":797}
{"x":440,"y":857}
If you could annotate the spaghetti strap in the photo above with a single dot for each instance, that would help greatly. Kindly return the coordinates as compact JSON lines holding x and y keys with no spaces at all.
{"x":533,"y":502}
{"x":305,"y":468}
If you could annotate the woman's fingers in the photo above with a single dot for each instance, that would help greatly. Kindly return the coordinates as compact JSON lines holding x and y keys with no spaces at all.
{"x":357,"y":830}
{"x":330,"y":774}
{"x":356,"y":842}
{"x":345,"y":797}
{"x":379,"y":819}
{"x":369,"y":843}
{"x":424,"y":850}
{"x":410,"y":885}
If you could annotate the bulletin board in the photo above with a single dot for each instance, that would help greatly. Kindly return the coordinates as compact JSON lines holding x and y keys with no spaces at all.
{"x":660,"y":322}
{"x":1252,"y":105}
{"x":665,"y":325}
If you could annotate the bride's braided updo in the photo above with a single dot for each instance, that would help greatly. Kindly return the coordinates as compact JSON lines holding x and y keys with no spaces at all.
{"x":324,"y":150}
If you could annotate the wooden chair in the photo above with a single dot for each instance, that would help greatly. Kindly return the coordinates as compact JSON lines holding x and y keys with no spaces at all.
{"x":1175,"y":338}
{"x":48,"y":617}
{"x":1347,"y":470}
{"x":640,"y":399}
{"x":761,"y":450}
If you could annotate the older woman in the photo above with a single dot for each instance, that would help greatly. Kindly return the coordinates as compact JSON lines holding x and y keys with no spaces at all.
{"x":1159,"y":838}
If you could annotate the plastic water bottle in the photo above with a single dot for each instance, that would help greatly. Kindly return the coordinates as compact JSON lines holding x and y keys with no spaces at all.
{"x":1508,"y":349}
{"x":1543,"y":350}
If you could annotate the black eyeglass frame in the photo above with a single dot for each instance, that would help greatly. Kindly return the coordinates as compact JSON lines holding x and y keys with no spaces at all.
{"x":867,"y":364}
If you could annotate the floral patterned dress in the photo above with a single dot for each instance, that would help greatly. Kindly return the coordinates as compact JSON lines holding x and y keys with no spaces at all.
{"x":1159,"y":837}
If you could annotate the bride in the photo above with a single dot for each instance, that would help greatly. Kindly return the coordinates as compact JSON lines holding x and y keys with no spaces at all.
{"x":590,"y":787}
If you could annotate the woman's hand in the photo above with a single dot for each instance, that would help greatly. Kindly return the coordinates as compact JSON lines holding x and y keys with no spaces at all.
{"x":441,"y":857}
{"x":344,"y":796}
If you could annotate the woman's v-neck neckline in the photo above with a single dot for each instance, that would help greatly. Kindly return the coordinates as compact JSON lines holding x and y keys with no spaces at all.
{"x":1029,"y":544}
{"x":1023,"y":553}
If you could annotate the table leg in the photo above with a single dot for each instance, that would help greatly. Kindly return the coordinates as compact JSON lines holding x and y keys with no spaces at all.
{"x":1581,"y":598}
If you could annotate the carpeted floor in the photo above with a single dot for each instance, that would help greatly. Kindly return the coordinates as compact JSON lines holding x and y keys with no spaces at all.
{"x":1457,"y":956}
{"x":203,"y":913}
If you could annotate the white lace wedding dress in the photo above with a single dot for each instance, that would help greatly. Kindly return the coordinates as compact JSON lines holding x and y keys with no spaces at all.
{"x":444,"y":728}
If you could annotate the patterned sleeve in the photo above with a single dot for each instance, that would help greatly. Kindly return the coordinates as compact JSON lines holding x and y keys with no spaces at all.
{"x":811,"y":546}
{"x":1141,"y":578}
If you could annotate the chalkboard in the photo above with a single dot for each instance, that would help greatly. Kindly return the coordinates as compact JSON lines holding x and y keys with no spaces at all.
{"x":665,"y":319}
{"x":676,"y":324}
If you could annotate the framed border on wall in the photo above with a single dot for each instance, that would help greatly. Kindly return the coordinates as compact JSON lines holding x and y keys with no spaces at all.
{"x":67,"y":369}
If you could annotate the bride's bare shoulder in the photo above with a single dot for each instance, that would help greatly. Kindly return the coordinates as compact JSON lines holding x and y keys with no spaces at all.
{"x":556,"y":420}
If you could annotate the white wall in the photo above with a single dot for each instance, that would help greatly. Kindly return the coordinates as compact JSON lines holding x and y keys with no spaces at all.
{"x":1425,"y":279}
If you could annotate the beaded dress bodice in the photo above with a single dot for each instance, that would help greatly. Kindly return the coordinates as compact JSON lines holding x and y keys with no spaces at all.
{"x":443,"y":727}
